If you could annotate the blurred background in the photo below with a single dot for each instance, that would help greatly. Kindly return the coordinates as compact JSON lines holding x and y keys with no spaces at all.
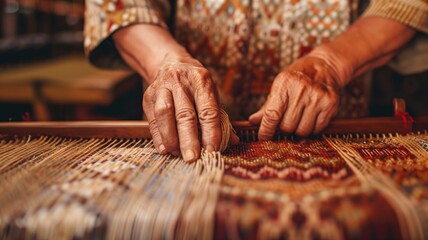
{"x":43,"y":71}
{"x":45,"y":76}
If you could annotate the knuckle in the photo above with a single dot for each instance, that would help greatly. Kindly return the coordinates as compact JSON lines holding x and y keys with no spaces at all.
{"x":147,"y":97}
{"x":209,"y":114}
{"x":318,"y":95}
{"x":272,"y":115}
{"x":203,"y":73}
{"x":203,"y":80}
{"x":163,"y":109}
{"x":302,"y":86}
{"x":185,"y":115}
{"x":316,"y":99}
{"x":173,"y":74}
{"x":205,"y":90}
{"x":168,"y":75}
{"x":329,"y":102}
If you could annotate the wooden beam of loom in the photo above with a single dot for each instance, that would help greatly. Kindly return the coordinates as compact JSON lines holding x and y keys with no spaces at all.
{"x":140,"y":129}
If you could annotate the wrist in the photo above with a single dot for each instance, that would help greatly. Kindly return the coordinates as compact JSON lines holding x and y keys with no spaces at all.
{"x":154,"y":64}
{"x":149,"y":47}
{"x":341,"y":66}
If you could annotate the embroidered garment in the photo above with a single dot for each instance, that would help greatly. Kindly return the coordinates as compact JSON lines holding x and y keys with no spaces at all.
{"x":328,"y":188}
{"x":243,"y":43}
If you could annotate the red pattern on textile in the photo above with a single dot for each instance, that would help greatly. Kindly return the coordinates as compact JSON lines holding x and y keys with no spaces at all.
{"x":253,"y":204}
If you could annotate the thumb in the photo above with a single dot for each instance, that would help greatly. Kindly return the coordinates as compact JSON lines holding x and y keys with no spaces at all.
{"x":229,"y":137}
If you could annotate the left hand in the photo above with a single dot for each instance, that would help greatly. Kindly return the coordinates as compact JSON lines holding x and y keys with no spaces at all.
{"x":303,"y":98}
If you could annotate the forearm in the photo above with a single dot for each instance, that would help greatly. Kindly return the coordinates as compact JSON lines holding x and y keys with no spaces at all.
{"x":375,"y":63}
{"x":369,"y":43}
{"x":145,"y":46}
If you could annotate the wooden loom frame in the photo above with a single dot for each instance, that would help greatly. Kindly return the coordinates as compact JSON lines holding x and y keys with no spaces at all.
{"x":140,"y":129}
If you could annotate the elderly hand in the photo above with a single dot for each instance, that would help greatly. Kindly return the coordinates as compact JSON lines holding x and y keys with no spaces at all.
{"x":303,"y":98}
{"x":181,"y":95}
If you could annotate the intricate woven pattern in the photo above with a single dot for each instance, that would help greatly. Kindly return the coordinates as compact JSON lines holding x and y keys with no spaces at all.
{"x":328,"y":188}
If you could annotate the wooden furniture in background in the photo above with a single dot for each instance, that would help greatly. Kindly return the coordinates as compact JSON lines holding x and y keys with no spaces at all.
{"x":68,"y":81}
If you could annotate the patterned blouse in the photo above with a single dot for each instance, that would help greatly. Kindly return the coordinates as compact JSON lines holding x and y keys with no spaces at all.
{"x":245,"y":43}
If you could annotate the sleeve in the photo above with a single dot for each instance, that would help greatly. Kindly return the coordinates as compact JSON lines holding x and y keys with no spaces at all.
{"x":413,"y":13}
{"x":104,"y":17}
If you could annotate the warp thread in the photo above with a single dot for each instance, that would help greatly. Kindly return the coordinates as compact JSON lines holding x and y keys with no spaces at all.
{"x":410,"y":222}
{"x":59,"y":188}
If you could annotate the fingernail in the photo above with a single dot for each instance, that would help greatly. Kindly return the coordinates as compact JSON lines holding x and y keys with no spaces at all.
{"x":161,"y":149}
{"x":210,"y":148}
{"x":189,"y":156}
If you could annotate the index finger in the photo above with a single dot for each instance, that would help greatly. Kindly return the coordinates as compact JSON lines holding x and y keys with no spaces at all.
{"x":272,"y":115}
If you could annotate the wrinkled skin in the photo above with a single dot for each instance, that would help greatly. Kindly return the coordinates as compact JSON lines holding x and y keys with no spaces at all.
{"x":181,"y":96}
{"x":303,"y":99}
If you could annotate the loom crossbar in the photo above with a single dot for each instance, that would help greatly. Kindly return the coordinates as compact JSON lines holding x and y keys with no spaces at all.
{"x":140,"y":129}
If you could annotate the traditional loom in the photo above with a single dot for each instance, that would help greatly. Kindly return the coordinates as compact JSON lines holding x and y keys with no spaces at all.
{"x":363,"y":179}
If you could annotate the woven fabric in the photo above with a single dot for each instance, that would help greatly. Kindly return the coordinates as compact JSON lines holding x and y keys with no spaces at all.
{"x":326,"y":189}
{"x":360,"y":187}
